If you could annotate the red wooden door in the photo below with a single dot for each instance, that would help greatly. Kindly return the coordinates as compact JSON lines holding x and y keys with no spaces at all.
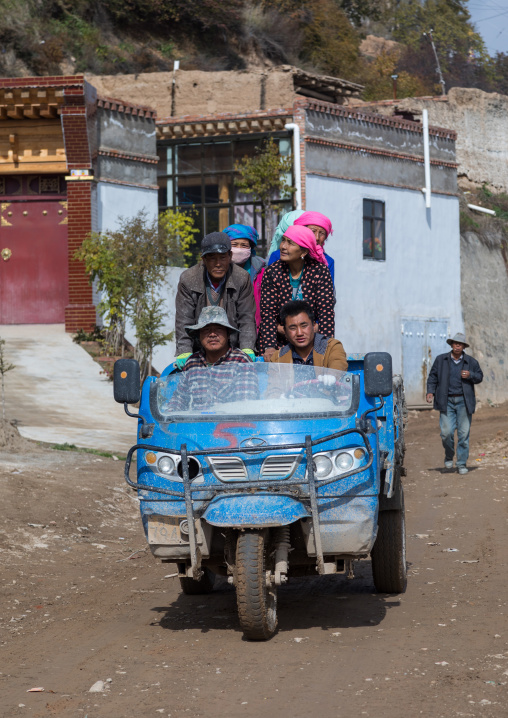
{"x":33,"y":262}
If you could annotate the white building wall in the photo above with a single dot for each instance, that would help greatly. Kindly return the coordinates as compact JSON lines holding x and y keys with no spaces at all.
{"x":116,"y":201}
{"x":164,"y":355}
{"x":420,"y":277}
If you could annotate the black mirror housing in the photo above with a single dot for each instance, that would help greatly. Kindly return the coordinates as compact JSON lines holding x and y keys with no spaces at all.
{"x":126,"y":381}
{"x":378,"y":377}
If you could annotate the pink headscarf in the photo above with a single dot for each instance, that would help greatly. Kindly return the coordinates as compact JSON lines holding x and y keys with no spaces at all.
{"x":305,"y":238}
{"x":315,"y":218}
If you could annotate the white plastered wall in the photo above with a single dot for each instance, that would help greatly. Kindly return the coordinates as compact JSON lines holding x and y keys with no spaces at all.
{"x":420,"y":277}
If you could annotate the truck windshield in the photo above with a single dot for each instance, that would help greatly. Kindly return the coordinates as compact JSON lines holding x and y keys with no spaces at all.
{"x":256,"y":390}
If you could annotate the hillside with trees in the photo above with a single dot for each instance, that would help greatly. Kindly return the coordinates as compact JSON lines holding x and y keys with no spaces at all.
{"x":365,"y":41}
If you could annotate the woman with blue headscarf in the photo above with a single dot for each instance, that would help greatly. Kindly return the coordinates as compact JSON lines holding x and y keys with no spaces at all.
{"x":244,"y":239}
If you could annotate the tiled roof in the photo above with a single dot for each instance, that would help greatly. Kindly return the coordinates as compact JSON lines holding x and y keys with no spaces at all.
{"x":373,"y":118}
{"x":223,"y":123}
{"x":110,"y":103}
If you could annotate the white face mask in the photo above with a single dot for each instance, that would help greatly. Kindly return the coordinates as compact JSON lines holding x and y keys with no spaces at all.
{"x":240,"y":254}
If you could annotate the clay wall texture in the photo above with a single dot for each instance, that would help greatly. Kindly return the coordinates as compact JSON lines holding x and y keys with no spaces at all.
{"x":480,"y":121}
{"x":200,"y":93}
{"x":484,"y":283}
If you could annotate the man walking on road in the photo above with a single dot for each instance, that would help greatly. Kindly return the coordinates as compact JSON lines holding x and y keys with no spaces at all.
{"x":451,"y":386}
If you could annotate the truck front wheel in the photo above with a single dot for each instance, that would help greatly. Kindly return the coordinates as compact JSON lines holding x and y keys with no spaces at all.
{"x":257,"y":603}
{"x":389,"y":552}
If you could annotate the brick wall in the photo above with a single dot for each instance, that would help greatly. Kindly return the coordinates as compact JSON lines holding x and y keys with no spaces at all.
{"x":80,"y":312}
{"x":299,"y":119}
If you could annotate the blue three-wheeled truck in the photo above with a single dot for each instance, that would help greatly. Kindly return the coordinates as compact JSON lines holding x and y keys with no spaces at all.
{"x":268,"y":471}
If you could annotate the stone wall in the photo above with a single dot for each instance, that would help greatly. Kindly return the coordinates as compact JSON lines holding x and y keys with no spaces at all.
{"x":484,"y":288}
{"x":478,"y":118}
{"x":200,"y":93}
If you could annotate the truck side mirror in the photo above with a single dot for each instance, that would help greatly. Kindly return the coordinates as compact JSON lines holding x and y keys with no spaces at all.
{"x":126,"y":381}
{"x":377,"y":378}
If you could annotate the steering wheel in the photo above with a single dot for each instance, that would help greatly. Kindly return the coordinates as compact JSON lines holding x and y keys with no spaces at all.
{"x":298,"y":389}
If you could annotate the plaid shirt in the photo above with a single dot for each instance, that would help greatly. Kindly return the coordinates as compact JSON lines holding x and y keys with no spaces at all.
{"x":203,"y":385}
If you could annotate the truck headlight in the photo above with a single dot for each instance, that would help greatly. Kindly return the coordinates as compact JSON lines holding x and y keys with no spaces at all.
{"x":166,"y":465}
{"x":344,"y":461}
{"x":322,"y":466}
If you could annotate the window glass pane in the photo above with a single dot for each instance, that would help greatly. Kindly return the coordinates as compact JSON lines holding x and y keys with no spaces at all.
{"x":211,"y":220}
{"x":246,"y":214}
{"x":165,"y":164}
{"x":285,"y":147}
{"x":250,"y":215}
{"x":367,"y":238}
{"x":188,"y":190}
{"x":379,"y":208}
{"x":217,"y":189}
{"x":218,"y":157}
{"x":165,"y":192}
{"x":247,"y":148}
{"x":379,"y":239}
{"x":367,"y":208}
{"x":195,"y":247}
{"x":189,"y":159}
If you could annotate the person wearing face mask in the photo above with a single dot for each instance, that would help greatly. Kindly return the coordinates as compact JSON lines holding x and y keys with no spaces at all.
{"x":301,"y":273}
{"x":318,"y":223}
{"x":244,"y":239}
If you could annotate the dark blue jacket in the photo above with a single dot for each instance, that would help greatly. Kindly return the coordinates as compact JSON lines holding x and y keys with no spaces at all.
{"x":439,"y":376}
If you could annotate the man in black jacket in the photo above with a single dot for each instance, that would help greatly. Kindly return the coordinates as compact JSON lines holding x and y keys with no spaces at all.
{"x":451,"y":386}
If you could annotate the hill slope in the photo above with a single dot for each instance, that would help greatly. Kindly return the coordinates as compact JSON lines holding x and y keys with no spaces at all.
{"x":41,"y":37}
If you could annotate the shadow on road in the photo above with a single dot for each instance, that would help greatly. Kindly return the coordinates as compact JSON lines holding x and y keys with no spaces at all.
{"x":327,"y":602}
{"x":442,"y":470}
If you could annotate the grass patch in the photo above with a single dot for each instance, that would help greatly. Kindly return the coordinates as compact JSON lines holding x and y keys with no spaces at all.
{"x":81,"y":450}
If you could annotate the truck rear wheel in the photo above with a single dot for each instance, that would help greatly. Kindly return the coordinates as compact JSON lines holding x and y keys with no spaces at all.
{"x":389,"y":552}
{"x":191,"y":587}
{"x":257,"y":603}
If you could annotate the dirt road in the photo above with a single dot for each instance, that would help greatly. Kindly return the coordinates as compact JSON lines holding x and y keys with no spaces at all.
{"x":78,"y":607}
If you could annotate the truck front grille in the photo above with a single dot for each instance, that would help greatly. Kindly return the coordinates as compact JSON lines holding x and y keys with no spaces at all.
{"x":228,"y":468}
{"x":279,"y":466}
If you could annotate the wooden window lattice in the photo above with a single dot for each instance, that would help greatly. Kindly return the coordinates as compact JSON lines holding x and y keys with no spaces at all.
{"x":49,"y":184}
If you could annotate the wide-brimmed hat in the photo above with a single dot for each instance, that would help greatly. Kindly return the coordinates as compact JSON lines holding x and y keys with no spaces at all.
{"x":210,"y":315}
{"x":459,"y":337}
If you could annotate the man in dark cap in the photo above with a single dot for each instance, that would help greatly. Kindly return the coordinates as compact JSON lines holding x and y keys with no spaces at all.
{"x":215,"y":281}
{"x":451,"y":387}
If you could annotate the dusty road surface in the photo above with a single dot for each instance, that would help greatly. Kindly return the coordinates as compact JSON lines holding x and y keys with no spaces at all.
{"x":77,"y":607}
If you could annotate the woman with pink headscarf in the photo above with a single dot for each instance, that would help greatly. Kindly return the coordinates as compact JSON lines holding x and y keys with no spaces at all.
{"x":300,"y":273}
{"x":318,"y":223}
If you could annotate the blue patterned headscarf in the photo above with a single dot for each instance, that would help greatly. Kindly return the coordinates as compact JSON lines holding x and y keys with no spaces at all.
{"x":243,"y":231}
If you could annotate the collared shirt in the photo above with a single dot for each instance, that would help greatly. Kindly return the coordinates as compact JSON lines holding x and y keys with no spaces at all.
{"x":297,"y":359}
{"x":203,"y":385}
{"x":217,"y":288}
{"x":214,"y":294}
{"x":320,"y":344}
{"x":455,"y":381}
